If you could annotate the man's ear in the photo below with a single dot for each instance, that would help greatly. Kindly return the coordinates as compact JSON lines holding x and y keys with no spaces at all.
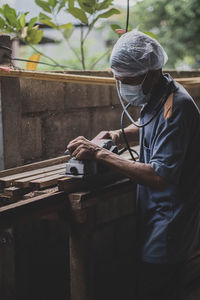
{"x":151,"y":80}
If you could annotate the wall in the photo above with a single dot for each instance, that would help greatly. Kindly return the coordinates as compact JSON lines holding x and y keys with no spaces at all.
{"x":41,"y":117}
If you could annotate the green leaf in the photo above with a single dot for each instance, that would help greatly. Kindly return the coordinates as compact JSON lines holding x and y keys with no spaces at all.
{"x":22,"y":20}
{"x":86,"y":6}
{"x":106,"y":14}
{"x":78,"y":14}
{"x":31,"y":23}
{"x":71,"y":3}
{"x":104,"y":4}
{"x":53,"y":3}
{"x":2,"y":23}
{"x":10,"y":15}
{"x":115,"y":26}
{"x":44,"y":17}
{"x":35,"y":36}
{"x":44,"y":5}
{"x":68,"y":32}
{"x":50,"y":23}
{"x":109,"y":13}
{"x":66,"y":26}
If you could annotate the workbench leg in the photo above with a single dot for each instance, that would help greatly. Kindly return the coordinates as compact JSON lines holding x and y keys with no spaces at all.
{"x":81,"y":261}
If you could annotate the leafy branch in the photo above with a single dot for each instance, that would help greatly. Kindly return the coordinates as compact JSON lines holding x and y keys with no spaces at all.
{"x":12,"y":22}
{"x":87,"y":12}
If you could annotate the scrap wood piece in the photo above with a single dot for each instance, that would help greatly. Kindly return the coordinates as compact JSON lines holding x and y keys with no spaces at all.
{"x":8,"y":180}
{"x":25,"y":182}
{"x":22,"y":211}
{"x":46,"y":181}
{"x":87,"y":199}
{"x":15,"y":192}
{"x":70,"y":185}
{"x":34,"y":166}
{"x":35,"y":193}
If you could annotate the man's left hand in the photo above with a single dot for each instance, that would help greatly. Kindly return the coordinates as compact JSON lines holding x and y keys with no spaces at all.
{"x":81,"y":148}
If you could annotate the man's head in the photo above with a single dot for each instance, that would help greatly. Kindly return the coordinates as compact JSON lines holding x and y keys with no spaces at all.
{"x":137,"y":59}
{"x":136,"y":53}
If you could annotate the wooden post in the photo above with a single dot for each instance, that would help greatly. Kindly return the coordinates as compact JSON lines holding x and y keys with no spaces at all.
{"x":10,"y":123}
{"x":81,"y":258}
{"x":5,"y":43}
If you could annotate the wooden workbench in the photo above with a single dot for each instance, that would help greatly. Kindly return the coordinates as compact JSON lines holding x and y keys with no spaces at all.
{"x":96,"y":219}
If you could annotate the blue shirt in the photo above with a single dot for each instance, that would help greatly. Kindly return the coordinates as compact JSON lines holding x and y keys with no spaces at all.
{"x":169,"y":220}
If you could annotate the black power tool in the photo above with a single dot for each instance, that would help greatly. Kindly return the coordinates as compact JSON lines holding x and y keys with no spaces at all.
{"x":84,"y":168}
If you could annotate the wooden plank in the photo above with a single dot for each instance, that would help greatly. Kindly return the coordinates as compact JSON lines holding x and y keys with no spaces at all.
{"x":22,"y":211}
{"x":83,"y":200}
{"x":8,"y":180}
{"x":34,"y":166}
{"x":81,"y":79}
{"x":25,"y":182}
{"x":45,"y":181}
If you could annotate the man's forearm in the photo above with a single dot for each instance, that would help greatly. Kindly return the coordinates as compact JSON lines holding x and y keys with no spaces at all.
{"x":140,"y":172}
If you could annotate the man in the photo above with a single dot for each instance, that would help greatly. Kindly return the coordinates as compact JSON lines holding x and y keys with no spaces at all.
{"x":168,"y":172}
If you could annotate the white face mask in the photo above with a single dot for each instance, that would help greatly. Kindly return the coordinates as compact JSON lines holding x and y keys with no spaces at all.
{"x":134,"y":93}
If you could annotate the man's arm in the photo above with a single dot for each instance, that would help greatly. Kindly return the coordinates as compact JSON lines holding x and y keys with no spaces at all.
{"x":142,"y":173}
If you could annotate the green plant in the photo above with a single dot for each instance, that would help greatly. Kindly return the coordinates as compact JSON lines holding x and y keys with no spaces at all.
{"x":87,"y":12}
{"x":15,"y":23}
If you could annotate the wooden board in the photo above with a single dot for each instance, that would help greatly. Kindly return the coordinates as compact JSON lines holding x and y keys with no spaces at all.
{"x":45,"y":181}
{"x":34,"y":166}
{"x":8,"y":180}
{"x":25,"y":182}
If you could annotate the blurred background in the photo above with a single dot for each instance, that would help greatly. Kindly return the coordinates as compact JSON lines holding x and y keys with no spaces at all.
{"x":174,"y":23}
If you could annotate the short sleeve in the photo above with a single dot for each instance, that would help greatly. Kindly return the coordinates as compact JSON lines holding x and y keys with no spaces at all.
{"x":170,"y":146}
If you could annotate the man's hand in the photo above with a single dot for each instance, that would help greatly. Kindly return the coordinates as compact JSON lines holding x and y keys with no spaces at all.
{"x":81,"y":148}
{"x":116,"y":136}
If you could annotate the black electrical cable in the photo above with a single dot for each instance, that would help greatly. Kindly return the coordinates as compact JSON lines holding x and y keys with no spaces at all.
{"x":127,"y":16}
{"x":131,"y":151}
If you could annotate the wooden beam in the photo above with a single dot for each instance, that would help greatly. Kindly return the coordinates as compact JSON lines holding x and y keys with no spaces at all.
{"x":95,"y":80}
{"x":84,"y":200}
{"x":59,"y":77}
{"x":23,"y":210}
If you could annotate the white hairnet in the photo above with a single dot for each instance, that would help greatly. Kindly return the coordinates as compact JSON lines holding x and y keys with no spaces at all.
{"x":135,"y":53}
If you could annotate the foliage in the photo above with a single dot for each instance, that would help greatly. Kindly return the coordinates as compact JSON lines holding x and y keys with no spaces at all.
{"x":87,"y":13}
{"x":12,"y":22}
{"x":176,"y":24}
